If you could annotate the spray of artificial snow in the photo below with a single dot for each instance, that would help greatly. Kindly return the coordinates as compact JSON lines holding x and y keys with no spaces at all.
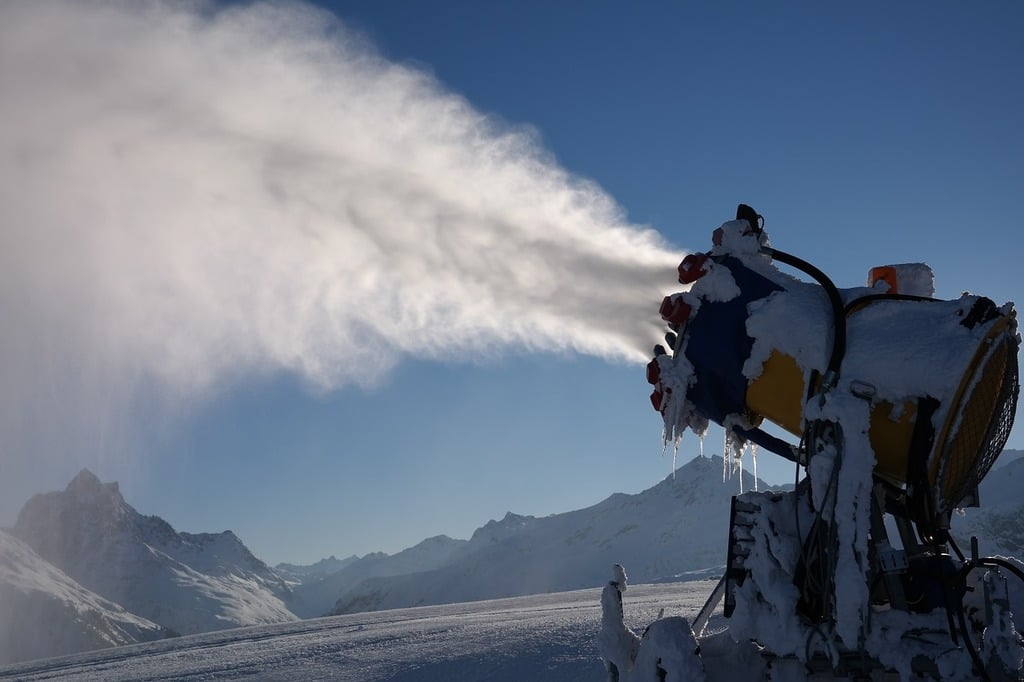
{"x":192,"y":193}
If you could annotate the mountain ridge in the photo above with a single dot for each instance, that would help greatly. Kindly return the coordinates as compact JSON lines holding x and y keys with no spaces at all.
{"x":676,"y":526}
{"x":188,"y":582}
{"x":676,"y":529}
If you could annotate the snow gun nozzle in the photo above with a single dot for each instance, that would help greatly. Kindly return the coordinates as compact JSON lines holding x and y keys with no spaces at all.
{"x":693,"y":267}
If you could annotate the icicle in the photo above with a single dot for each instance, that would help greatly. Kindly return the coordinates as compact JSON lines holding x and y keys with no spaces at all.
{"x":735,"y":444}
{"x":699,"y":425}
{"x":739,"y":464}
{"x":753,"y":456}
{"x":732,"y":456}
{"x":726,"y":457}
{"x":675,"y":450}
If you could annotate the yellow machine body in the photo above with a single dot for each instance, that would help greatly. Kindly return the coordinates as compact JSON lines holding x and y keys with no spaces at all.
{"x":958,"y":456}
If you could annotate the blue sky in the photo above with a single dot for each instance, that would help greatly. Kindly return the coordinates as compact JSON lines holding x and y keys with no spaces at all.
{"x":866,"y":134}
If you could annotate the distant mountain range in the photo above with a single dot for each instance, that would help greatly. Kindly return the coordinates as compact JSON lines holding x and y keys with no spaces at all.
{"x":676,"y":527}
{"x":673,"y":531}
{"x":83,"y":569}
{"x":317,"y":595}
{"x":294,"y":574}
{"x":999,"y":522}
{"x":187,"y":583}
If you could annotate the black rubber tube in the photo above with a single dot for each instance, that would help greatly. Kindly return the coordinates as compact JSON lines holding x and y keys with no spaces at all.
{"x":838,"y":313}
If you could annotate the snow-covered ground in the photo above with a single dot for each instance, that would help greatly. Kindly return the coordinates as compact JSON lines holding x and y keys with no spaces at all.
{"x":541,"y":637}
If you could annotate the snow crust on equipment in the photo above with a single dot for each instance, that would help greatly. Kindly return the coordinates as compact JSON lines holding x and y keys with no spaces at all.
{"x":669,"y":652}
{"x":617,"y":643}
{"x":896,"y":350}
{"x":851,"y":512}
{"x":999,"y":637}
{"x":717,"y":285}
{"x":913,"y":279}
{"x":736,"y":239}
{"x":765,"y":601}
{"x":803,"y":335}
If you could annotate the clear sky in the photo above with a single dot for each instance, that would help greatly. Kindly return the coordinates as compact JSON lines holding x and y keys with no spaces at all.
{"x":866,"y":133}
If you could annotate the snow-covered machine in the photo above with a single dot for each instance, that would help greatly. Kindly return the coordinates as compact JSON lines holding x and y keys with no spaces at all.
{"x":899,"y":404}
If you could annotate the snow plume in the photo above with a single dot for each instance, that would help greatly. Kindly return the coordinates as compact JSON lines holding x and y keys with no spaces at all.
{"x":190,"y":194}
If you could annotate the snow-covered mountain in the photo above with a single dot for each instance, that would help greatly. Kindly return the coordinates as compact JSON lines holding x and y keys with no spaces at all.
{"x":678,"y":526}
{"x":999,"y":522}
{"x":46,"y":613}
{"x":296,"y":574}
{"x":187,"y":582}
{"x":317,"y":596}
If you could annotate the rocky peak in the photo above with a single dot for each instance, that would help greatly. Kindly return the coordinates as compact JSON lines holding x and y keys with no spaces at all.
{"x":60,"y":525}
{"x":496,"y":531}
{"x":86,"y":487}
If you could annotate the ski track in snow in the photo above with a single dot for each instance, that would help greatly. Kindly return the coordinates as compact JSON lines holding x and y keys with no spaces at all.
{"x":539,"y":637}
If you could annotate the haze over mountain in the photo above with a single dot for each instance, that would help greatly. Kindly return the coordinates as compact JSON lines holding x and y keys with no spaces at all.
{"x":317,"y":595}
{"x":187,"y":582}
{"x":46,"y":613}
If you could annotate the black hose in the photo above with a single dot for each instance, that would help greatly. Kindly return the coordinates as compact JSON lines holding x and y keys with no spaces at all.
{"x":996,"y":562}
{"x":870,"y":298}
{"x":991,"y":562}
{"x":838,"y":315}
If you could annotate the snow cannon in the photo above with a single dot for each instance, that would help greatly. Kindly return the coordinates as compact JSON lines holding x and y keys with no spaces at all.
{"x":899,"y":404}
{"x":748,"y":343}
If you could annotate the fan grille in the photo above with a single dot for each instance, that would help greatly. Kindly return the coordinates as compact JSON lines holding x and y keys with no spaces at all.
{"x":985,"y":414}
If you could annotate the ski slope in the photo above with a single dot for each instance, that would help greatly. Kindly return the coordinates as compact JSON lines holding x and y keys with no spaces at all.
{"x":540,"y":637}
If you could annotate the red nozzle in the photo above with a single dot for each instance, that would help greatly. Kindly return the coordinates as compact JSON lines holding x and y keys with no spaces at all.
{"x":692,"y":268}
{"x":653,"y":372}
{"x":656,"y":399}
{"x":675,"y":311}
